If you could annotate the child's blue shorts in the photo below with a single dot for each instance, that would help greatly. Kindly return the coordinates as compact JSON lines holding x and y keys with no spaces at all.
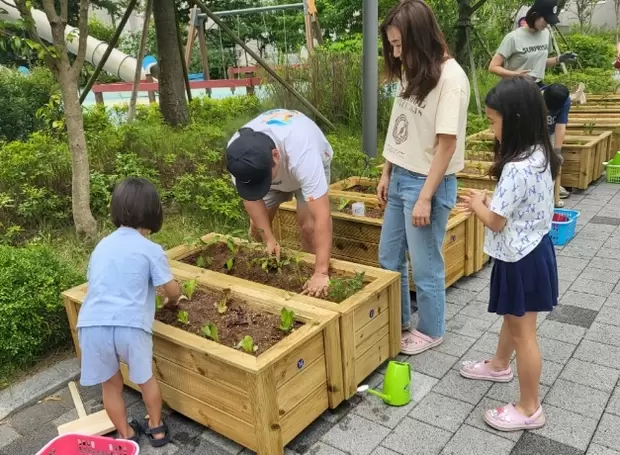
{"x":102,"y":347}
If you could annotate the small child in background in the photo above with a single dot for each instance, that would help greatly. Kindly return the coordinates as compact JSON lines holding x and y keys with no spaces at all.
{"x":116,"y":319}
{"x":524,"y":280}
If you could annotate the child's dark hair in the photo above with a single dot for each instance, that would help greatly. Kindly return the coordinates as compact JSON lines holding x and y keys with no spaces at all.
{"x":555,"y":96}
{"x":136,"y":204}
{"x":524,"y":124}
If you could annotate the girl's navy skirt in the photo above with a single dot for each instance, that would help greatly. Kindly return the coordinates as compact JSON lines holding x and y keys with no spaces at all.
{"x":530,"y":284}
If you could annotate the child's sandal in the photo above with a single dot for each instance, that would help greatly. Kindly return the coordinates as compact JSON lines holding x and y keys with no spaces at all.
{"x":150,"y":432}
{"x":135,"y":426}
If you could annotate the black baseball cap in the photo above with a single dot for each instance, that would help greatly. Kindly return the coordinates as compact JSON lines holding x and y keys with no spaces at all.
{"x":548,"y":10}
{"x":249,"y":159}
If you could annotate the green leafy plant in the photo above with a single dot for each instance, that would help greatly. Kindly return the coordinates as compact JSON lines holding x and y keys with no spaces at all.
{"x":189,"y":288}
{"x":342,"y":288}
{"x":210,"y":331}
{"x":287,"y":320}
{"x":342,"y":204}
{"x":159,"y":302}
{"x":247,"y":344}
{"x":183,"y":317}
{"x":203,"y":261}
{"x":222,"y":303}
{"x":296,"y":259}
{"x":192,"y":241}
{"x":269,"y":263}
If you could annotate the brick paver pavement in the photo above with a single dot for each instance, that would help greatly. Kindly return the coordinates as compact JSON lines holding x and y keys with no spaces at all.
{"x":580,"y":343}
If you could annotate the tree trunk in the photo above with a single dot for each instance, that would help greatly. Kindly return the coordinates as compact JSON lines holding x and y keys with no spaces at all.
{"x":82,"y":217}
{"x":172,"y":101}
{"x":464,"y":21}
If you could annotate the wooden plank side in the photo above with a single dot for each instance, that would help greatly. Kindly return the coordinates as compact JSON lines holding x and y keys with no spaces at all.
{"x":298,"y":388}
{"x":71,"y":308}
{"x":227,"y":399}
{"x":294,"y":362}
{"x":371,"y":359}
{"x":300,"y":417}
{"x":470,"y":245}
{"x":394,"y":307}
{"x":333,"y":364}
{"x":375,"y":305}
{"x":368,"y":336}
{"x":239,"y":431}
{"x":347,"y":343}
{"x":267,"y":426}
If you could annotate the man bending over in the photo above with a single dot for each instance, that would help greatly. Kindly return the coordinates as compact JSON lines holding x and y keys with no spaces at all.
{"x":279,"y":154}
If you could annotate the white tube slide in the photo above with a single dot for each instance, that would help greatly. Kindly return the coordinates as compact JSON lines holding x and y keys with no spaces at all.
{"x":118,"y":63}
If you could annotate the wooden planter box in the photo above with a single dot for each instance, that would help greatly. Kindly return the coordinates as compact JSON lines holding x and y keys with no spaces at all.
{"x":369,"y":321}
{"x":260,"y":402}
{"x":602,"y":98}
{"x":474,"y":261}
{"x":585,"y":124}
{"x":583,"y":156}
{"x":356,"y":239}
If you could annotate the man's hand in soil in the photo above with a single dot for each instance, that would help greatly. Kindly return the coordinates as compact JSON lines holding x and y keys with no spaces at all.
{"x":317,"y":285}
{"x":273,"y":248}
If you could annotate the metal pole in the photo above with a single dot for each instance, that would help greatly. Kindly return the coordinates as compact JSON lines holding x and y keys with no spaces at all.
{"x":264,"y":64}
{"x":141,"y":50}
{"x":260,"y":9}
{"x":108,"y":51}
{"x":370,"y":15}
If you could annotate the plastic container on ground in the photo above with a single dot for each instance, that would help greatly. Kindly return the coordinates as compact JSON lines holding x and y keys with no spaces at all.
{"x":563,"y":226}
{"x":77,"y":444}
{"x":613,"y":173}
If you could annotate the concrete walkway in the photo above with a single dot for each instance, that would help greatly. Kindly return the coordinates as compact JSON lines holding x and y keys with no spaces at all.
{"x":580,"y":344}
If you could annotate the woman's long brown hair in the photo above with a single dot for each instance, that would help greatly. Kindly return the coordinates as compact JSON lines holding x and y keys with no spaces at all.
{"x":424,"y":48}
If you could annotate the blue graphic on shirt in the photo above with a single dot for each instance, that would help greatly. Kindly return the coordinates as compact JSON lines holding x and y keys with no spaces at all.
{"x":279,"y":117}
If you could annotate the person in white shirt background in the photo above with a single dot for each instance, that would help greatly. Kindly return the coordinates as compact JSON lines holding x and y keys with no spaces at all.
{"x":424,"y":149}
{"x":518,"y":217}
{"x":280,"y":154}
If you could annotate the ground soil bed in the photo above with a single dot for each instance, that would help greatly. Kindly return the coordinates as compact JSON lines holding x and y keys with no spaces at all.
{"x":291,"y":277}
{"x":239,"y":320}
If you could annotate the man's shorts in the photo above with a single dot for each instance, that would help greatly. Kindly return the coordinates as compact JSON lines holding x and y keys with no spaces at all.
{"x":102,"y":347}
{"x":274,"y":197}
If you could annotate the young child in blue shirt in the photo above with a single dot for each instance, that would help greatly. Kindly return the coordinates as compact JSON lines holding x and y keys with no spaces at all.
{"x":116,"y":319}
{"x":518,"y":217}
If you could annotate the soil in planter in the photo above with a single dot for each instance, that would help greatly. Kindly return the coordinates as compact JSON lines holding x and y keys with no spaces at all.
{"x":237,"y":322}
{"x":369,"y":189}
{"x":247,"y":264}
{"x":375,"y":212}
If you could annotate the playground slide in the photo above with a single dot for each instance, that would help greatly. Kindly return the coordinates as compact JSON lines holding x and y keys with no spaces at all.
{"x":118,"y":62}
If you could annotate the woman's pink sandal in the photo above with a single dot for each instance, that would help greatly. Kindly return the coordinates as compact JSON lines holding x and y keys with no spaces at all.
{"x":482,"y":372}
{"x":416,"y":342}
{"x":507,"y":418}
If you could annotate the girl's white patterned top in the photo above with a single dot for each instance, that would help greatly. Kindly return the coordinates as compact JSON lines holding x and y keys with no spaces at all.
{"x":524,"y":196}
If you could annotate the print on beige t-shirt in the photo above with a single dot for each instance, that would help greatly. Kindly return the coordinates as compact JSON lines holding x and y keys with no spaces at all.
{"x":411,"y":140}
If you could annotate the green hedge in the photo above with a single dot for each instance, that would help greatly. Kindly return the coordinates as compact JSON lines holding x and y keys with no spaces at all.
{"x":21,"y":96}
{"x":32,"y":317}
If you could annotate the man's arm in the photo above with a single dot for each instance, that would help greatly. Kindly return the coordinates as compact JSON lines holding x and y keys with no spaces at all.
{"x":257,"y":212}
{"x":321,"y":214}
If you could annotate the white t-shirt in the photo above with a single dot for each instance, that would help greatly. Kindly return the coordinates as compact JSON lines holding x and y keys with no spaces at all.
{"x":411,"y":141}
{"x":524,"y":196}
{"x":304,"y":151}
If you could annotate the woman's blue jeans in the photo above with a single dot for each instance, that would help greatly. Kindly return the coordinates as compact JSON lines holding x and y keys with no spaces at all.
{"x":425,"y":246}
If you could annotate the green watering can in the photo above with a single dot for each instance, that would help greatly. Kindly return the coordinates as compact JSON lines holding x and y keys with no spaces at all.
{"x":395,"y":386}
{"x":615,"y":161}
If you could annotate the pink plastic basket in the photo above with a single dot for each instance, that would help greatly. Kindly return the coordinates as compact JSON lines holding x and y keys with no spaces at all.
{"x":77,"y":444}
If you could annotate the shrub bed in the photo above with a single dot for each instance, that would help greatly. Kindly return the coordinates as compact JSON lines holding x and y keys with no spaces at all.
{"x":32,"y":317}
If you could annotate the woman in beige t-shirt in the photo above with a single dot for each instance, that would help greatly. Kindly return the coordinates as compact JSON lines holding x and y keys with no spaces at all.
{"x":424,"y":150}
